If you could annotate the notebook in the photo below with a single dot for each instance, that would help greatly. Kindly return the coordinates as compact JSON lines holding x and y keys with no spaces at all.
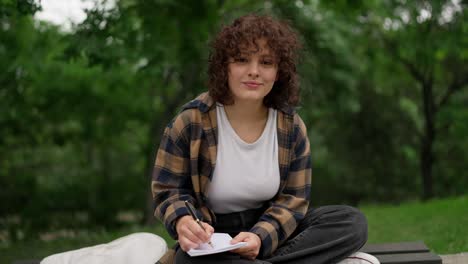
{"x":221,"y":243}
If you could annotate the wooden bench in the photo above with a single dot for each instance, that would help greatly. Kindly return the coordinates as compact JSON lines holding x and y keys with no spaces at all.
{"x":387,"y":253}
{"x":402,"y":253}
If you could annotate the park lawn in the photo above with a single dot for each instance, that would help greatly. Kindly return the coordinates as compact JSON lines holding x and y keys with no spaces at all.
{"x":441,"y":224}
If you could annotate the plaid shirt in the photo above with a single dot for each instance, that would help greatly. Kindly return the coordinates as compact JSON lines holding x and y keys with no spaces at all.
{"x":185,"y":163}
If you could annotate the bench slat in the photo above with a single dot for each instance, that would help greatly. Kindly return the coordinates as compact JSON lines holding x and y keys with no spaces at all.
{"x":409,"y":258}
{"x":389,"y":248}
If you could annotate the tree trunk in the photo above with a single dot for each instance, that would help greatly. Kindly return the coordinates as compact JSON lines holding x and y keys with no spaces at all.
{"x":426,"y":161}
{"x":427,"y":141}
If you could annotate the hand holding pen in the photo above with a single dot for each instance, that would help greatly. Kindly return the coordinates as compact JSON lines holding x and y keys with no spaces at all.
{"x":194,"y":216}
{"x":191,"y":233}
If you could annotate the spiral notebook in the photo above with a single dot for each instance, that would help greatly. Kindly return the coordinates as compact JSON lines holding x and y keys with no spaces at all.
{"x":221,"y":243}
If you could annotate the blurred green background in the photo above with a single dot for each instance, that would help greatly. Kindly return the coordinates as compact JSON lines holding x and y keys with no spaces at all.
{"x":384,"y":97}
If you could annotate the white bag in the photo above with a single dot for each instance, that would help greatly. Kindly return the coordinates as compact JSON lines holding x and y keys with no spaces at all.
{"x":141,"y":248}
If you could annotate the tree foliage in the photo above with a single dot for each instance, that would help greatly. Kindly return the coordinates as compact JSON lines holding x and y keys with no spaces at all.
{"x":383,"y":84}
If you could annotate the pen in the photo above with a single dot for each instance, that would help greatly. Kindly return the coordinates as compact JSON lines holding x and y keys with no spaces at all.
{"x":194,"y":216}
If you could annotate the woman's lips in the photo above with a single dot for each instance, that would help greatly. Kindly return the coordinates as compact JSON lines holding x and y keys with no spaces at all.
{"x":252,"y":85}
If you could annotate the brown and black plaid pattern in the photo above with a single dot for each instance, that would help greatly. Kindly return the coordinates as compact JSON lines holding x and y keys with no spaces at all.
{"x":186,"y":159}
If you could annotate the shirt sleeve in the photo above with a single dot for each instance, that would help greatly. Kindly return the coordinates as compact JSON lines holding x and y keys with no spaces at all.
{"x":171,"y":183}
{"x":289,"y":207}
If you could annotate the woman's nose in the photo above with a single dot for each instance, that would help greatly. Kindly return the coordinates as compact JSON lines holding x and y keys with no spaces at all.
{"x":253,"y":69}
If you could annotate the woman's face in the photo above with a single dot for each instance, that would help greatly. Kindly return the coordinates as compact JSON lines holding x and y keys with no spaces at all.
{"x":252,"y":74}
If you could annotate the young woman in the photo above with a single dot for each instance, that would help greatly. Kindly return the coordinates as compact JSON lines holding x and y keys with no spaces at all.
{"x":240,"y":155}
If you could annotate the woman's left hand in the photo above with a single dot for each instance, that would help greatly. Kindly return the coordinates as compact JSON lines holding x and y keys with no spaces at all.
{"x":251,"y":250}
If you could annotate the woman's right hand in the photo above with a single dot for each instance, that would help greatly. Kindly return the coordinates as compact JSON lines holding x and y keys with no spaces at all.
{"x":191,"y":235}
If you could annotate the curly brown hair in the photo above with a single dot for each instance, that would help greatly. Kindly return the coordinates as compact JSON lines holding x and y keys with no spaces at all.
{"x":282,"y":40}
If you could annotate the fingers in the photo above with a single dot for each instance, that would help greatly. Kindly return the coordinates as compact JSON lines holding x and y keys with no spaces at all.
{"x":194,"y":232}
{"x":201,"y":234}
{"x":240,"y":237}
{"x":190,"y":234}
{"x":251,"y":250}
{"x":186,"y":244}
{"x":209,"y":229}
{"x":194,"y":236}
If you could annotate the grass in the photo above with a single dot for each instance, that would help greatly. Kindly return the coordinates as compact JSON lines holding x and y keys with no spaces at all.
{"x":441,"y":224}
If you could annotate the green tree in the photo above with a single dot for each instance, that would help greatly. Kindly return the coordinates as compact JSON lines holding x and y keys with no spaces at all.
{"x":366,"y":125}
{"x":426,"y":39}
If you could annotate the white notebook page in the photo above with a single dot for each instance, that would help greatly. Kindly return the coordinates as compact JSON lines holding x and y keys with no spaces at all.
{"x":221,"y":243}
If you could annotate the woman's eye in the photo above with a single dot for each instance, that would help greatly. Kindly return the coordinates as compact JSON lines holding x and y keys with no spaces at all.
{"x":267,"y":62}
{"x":241,"y":59}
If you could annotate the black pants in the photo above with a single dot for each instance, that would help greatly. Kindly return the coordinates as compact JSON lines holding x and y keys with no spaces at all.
{"x":326,"y":235}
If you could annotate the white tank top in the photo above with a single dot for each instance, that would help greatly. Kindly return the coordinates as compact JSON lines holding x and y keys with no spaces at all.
{"x":246,"y":174}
